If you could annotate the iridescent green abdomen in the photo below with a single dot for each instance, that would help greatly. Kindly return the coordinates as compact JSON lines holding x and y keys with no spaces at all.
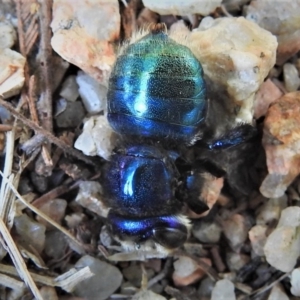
{"x":156,"y":90}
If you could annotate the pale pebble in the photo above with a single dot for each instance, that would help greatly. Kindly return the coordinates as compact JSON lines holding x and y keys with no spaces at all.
{"x":97,"y":137}
{"x":92,"y":93}
{"x":182,"y":7}
{"x":223,"y":290}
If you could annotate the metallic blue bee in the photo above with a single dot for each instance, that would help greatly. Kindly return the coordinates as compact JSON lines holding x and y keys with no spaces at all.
{"x":156,"y":99}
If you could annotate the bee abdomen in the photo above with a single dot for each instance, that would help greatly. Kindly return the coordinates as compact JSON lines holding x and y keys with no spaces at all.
{"x":157,"y":90}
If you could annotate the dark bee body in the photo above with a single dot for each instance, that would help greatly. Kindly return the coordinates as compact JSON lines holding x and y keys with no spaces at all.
{"x":156,"y":92}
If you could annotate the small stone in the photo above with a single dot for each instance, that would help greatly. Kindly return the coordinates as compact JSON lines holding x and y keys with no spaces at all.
{"x":207,"y":232}
{"x":60,"y":106}
{"x":8,"y":35}
{"x":187,"y":271}
{"x":236,"y":230}
{"x":83,"y":34}
{"x":55,"y":244}
{"x":236,"y":56}
{"x":205,"y":288}
{"x":30,"y":233}
{"x":97,"y":137}
{"x":291,"y":77}
{"x":11,"y":72}
{"x":271,"y":210}
{"x":92,"y":93}
{"x":295,"y":282}
{"x":69,"y":90}
{"x":48,"y":293}
{"x":283,"y":244}
{"x":236,"y":261}
{"x":266,"y":95}
{"x":223,"y":290}
{"x":147,"y":295}
{"x":281,"y":140}
{"x":90,"y":196}
{"x":105,"y":282}
{"x":258,"y":237}
{"x":281,"y":20}
{"x":182,"y":7}
{"x":278,"y":293}
{"x":39,"y":182}
{"x":55,"y":209}
{"x":72,"y":116}
{"x":290,"y":216}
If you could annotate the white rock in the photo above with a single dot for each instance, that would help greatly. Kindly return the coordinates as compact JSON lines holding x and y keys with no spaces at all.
{"x":282,"y":20}
{"x":30,"y":232}
{"x":236,"y":56}
{"x":90,"y":196}
{"x":291,"y":77}
{"x":271,"y":210}
{"x":290,"y":216}
{"x":97,"y":137}
{"x":283,"y":247}
{"x":11,"y":72}
{"x":258,"y":237}
{"x":83,"y":34}
{"x":106,"y":280}
{"x":278,"y":293}
{"x":182,"y":7}
{"x":185,"y":266}
{"x":207,"y":232}
{"x":295,"y":282}
{"x":69,"y":90}
{"x":92,"y":93}
{"x":8,"y":35}
{"x":223,"y":290}
{"x":147,"y":295}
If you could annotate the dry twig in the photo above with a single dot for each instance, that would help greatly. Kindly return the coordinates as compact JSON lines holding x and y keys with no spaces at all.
{"x":50,"y":137}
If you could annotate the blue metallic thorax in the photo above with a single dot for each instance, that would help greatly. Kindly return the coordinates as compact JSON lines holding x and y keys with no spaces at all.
{"x":140,"y":182}
{"x":156,"y":90}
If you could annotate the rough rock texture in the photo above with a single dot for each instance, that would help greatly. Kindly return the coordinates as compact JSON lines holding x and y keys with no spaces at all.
{"x":282,"y":247}
{"x":90,"y":197}
{"x":11,"y":62}
{"x":182,"y":7}
{"x":97,"y":137}
{"x":82,"y":34}
{"x":266,"y":95}
{"x":236,"y":55}
{"x":106,"y":280}
{"x":282,"y":20}
{"x":93,"y":94}
{"x":223,"y":290}
{"x":281,"y":141}
{"x":187,"y":271}
{"x":295,"y":282}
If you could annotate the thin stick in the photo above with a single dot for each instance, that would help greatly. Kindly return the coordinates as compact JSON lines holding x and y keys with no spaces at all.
{"x":45,"y":16}
{"x":50,"y":137}
{"x":40,"y":213}
{"x":18,"y":261}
